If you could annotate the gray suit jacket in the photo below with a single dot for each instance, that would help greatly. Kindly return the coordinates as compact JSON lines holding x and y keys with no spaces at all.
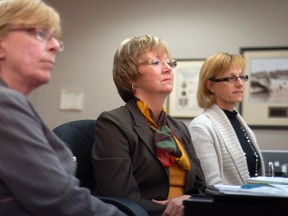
{"x":126,"y":163}
{"x":36,"y":168}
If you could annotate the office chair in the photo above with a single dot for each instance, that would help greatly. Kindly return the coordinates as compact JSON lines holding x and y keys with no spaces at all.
{"x":79,"y":137}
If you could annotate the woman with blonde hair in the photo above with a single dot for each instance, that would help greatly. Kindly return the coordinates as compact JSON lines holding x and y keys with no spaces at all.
{"x":37,"y":171}
{"x":140,"y":152}
{"x":224,"y":143}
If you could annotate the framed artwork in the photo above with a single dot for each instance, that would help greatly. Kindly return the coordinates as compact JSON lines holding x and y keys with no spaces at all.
{"x":265,"y":102}
{"x":182,"y":102}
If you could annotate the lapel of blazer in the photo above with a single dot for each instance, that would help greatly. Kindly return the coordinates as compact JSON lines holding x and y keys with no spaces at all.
{"x":142,"y":129}
{"x":226,"y":133}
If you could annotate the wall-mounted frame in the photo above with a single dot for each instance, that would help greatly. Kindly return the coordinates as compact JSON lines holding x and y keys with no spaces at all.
{"x":265,"y":102}
{"x":182,"y":102}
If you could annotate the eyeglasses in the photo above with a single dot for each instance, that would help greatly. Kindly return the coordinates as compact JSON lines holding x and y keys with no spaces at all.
{"x":156,"y":63}
{"x":231,"y":79}
{"x":42,"y":34}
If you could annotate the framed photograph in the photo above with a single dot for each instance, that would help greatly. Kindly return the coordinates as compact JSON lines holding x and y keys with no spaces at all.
{"x":182,"y":102}
{"x":265,"y":102}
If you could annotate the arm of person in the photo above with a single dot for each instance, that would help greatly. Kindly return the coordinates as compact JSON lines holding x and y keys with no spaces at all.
{"x":203,"y":139}
{"x":36,"y":168}
{"x":199,"y":182}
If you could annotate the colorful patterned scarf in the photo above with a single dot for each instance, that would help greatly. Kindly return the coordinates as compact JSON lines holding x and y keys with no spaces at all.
{"x":169,"y":149}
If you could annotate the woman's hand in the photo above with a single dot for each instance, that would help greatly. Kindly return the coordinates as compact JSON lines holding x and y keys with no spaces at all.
{"x":174,"y":207}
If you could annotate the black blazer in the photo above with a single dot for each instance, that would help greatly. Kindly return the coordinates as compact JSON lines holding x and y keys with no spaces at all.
{"x":125,"y":161}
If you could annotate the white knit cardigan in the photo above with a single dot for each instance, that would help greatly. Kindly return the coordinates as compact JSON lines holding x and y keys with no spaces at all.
{"x":218,"y":148}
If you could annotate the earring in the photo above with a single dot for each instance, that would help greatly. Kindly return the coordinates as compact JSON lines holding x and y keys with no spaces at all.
{"x":133,"y":88}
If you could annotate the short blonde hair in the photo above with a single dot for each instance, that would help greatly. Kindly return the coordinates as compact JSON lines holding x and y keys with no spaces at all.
{"x":125,"y":65}
{"x":215,"y":66}
{"x":28,"y":13}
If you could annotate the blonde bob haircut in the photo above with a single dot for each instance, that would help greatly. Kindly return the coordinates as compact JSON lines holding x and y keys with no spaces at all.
{"x":28,"y":13}
{"x":126,"y":59}
{"x":213,"y":67}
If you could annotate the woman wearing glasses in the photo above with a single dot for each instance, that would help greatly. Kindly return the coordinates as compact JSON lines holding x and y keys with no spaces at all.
{"x":37,"y":172}
{"x":140,"y":152}
{"x":225,"y":145}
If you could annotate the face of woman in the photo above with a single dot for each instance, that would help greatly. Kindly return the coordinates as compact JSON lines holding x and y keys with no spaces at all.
{"x":228,"y":92}
{"x":155,"y":75}
{"x":25,"y":59}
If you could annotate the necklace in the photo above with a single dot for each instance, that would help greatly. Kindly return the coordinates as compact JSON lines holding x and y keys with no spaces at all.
{"x":253,"y":149}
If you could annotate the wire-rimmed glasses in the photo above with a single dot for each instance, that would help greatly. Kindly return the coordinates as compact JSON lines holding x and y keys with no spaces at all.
{"x":157,"y":63}
{"x":42,"y":34}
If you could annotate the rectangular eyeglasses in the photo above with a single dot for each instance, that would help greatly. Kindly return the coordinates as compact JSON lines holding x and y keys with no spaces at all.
{"x":231,"y":79}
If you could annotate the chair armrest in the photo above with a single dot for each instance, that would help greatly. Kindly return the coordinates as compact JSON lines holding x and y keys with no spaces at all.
{"x":129,"y":207}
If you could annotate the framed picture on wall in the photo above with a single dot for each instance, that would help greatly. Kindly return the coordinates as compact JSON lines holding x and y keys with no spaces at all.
{"x":182,"y":102}
{"x":265,"y":102}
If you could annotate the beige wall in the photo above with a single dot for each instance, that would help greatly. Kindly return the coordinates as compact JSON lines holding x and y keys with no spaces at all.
{"x":93,"y":30}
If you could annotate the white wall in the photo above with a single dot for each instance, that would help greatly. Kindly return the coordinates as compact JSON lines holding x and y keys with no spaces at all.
{"x":94,"y":29}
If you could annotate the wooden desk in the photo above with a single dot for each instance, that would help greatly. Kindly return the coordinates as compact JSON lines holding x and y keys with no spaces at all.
{"x":235,"y":205}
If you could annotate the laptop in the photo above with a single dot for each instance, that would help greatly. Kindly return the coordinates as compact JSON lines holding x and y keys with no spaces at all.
{"x":279,"y":159}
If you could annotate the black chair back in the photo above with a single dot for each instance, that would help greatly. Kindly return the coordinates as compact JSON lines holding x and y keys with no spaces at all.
{"x":79,"y":137}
